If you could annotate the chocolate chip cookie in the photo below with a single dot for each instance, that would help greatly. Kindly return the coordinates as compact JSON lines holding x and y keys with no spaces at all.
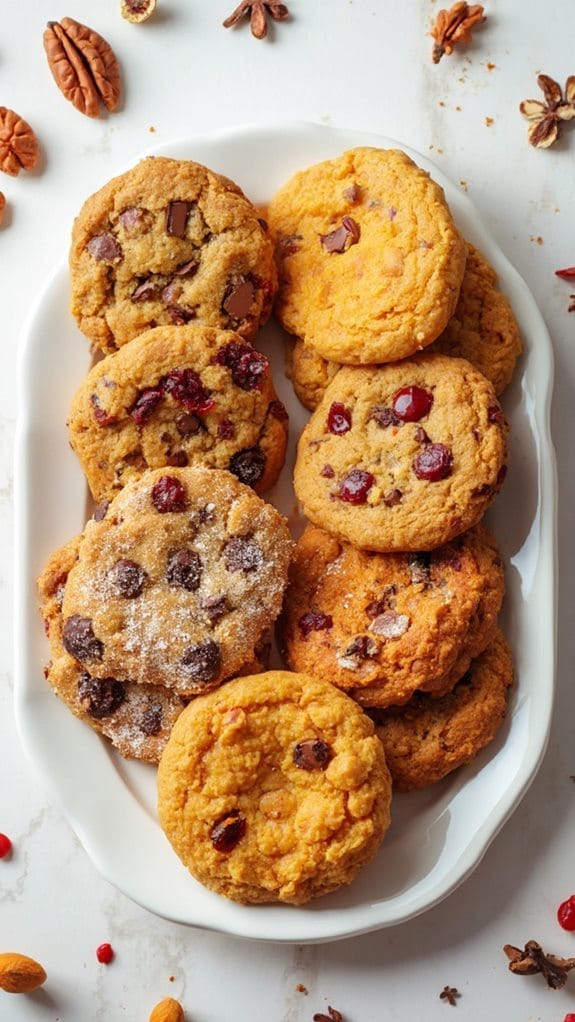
{"x":178,"y":396}
{"x":169,"y":242}
{"x":274,"y":788}
{"x":177,"y":582}
{"x":402,"y":457}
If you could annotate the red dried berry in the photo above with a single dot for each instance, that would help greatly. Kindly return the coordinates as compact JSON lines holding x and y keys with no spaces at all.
{"x":227,"y":832}
{"x":168,"y":494}
{"x":566,"y":913}
{"x":355,"y":486}
{"x":570,"y":1017}
{"x":314,"y":621}
{"x":186,"y":387}
{"x":5,"y":846}
{"x":328,"y":471}
{"x":338,"y":419}
{"x":105,"y":953}
{"x":410,"y":404}
{"x":145,"y":404}
{"x":567,"y":274}
{"x":433,"y":463}
{"x":247,"y":365}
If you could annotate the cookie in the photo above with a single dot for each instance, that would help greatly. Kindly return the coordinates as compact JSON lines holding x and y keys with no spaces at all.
{"x":274,"y":788}
{"x":370,"y":261}
{"x":482,"y":329}
{"x":179,"y":396}
{"x":382,"y":626}
{"x":402,"y":457}
{"x":427,"y":739}
{"x":168,"y":242}
{"x":177,"y":583}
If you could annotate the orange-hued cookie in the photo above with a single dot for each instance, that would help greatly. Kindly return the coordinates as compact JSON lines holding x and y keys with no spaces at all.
{"x":385,"y":625}
{"x":404,"y":456}
{"x":428,"y":738}
{"x":274,"y":789}
{"x":369,"y":258}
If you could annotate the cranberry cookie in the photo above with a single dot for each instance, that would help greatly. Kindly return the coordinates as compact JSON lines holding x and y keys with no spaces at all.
{"x":177,"y":583}
{"x":274,"y":789}
{"x":179,"y":396}
{"x":402,"y":457}
{"x":165,"y":243}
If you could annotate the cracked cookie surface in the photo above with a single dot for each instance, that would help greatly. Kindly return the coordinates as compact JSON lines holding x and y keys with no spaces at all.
{"x":168,"y":242}
{"x":178,"y":396}
{"x":274,"y":788}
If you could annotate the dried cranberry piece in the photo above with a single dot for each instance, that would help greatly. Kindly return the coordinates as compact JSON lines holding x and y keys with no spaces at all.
{"x":145,"y":404}
{"x":242,"y":554}
{"x":203,"y":661}
{"x":186,"y":387}
{"x":248,"y":465}
{"x":215,"y":607}
{"x":247,"y":365}
{"x":495,"y":414}
{"x":184,"y":569}
{"x":433,"y":463}
{"x":100,"y":697}
{"x":128,"y":578}
{"x":228,"y":831}
{"x":238,"y":299}
{"x":278,"y":410}
{"x":168,"y":494}
{"x":151,"y":720}
{"x":338,"y":418}
{"x":314,"y":621}
{"x":355,"y":486}
{"x":501,"y":475}
{"x":102,"y":417}
{"x":226,"y":429}
{"x":104,"y":247}
{"x":328,"y":472}
{"x":79,"y":639}
{"x":384,"y":416}
{"x":410,"y":404}
{"x":314,"y":754}
{"x":188,"y":424}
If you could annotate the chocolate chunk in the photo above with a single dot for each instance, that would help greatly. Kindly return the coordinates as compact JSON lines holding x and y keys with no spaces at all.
{"x":100,"y":697}
{"x":248,"y":465}
{"x":171,"y":293}
{"x":289,"y":244}
{"x":127,"y":578}
{"x":421,"y":436}
{"x":180,"y":314}
{"x":362,"y":647}
{"x":168,"y":494}
{"x":79,"y":639}
{"x":100,"y":511}
{"x":151,"y":720}
{"x":184,"y":569}
{"x":314,"y":754}
{"x":177,"y":459}
{"x":131,"y":218}
{"x":278,"y":410}
{"x":392,"y":497}
{"x":145,"y":404}
{"x":343,"y":237}
{"x":206,"y":513}
{"x":104,"y":247}
{"x":353,"y":193}
{"x":238,"y":299}
{"x":102,"y":417}
{"x":188,"y":424}
{"x":177,"y":214}
{"x":242,"y":554}
{"x":215,"y":607}
{"x":228,"y":831}
{"x":145,"y":292}
{"x":186,"y":269}
{"x":226,"y":429}
{"x":384,"y":416}
{"x":385,"y":602}
{"x":420,"y":567}
{"x":202,"y":662}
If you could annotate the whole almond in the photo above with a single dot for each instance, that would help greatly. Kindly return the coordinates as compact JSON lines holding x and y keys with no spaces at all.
{"x":167,"y":1010}
{"x":19,"y":974}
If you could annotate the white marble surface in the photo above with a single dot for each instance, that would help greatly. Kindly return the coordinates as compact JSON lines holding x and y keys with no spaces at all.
{"x":362,"y":64}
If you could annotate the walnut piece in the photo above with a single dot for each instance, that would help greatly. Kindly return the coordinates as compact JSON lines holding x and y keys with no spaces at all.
{"x":19,"y":149}
{"x":83,"y":65}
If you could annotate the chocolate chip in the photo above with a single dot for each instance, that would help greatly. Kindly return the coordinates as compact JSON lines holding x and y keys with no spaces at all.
{"x":104,"y":247}
{"x":151,"y":720}
{"x":353,"y":193}
{"x":146,"y":402}
{"x":177,"y":213}
{"x":421,"y":436}
{"x":343,"y":237}
{"x":384,"y":416}
{"x":241,"y":554}
{"x":100,"y":697}
{"x":420,"y":567}
{"x":180,"y":314}
{"x":79,"y":639}
{"x":202,"y":662}
{"x":228,"y":831}
{"x":206,"y":513}
{"x":177,"y":459}
{"x":168,"y":494}
{"x":248,"y":465}
{"x":184,"y":569}
{"x":131,"y":217}
{"x":314,"y":754}
{"x":495,"y":415}
{"x":171,"y":292}
{"x":100,"y":511}
{"x":188,"y":424}
{"x":238,"y":299}
{"x":215,"y":607}
{"x":186,"y":269}
{"x":102,"y":417}
{"x":145,"y":292}
{"x":392,"y":497}
{"x":127,"y":578}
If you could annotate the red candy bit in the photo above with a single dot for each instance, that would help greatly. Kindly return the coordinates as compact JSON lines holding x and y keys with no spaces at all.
{"x":168,"y":494}
{"x":410,"y":404}
{"x":5,"y":846}
{"x":105,"y":953}
{"x":433,"y":463}
{"x":566,"y":913}
{"x":314,"y":621}
{"x":567,"y":274}
{"x":186,"y":387}
{"x":570,"y":1017}
{"x":355,"y":486}
{"x":338,"y":418}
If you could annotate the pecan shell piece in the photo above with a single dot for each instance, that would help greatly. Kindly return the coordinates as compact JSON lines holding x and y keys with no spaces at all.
{"x":19,"y":149}
{"x":83,"y":65}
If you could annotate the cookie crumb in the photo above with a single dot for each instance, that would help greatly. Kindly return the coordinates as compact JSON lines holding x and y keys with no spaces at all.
{"x":151,"y":129}
{"x":450,"y":995}
{"x":489,"y":121}
{"x":537,"y":239}
{"x":301,"y":989}
{"x":463,"y":184}
{"x":490,"y":65}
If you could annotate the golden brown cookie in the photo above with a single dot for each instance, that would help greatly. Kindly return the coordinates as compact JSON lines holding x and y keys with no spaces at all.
{"x":274,"y":788}
{"x":177,"y":583}
{"x":165,"y":243}
{"x":385,"y":625}
{"x":428,"y":738}
{"x":402,"y":457}
{"x":369,"y":258}
{"x":179,"y":396}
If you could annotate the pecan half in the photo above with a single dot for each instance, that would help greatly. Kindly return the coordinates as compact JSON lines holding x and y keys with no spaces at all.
{"x":83,"y":65}
{"x":19,"y":149}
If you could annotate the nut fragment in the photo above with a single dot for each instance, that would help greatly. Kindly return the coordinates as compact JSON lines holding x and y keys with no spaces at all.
{"x":19,"y":149}
{"x":137,"y":10}
{"x":19,"y":974}
{"x":83,"y":65}
{"x":167,"y":1010}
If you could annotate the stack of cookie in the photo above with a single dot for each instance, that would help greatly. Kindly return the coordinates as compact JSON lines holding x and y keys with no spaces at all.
{"x":395,"y":588}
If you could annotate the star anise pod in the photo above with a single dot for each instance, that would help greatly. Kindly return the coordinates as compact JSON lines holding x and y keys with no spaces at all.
{"x":533,"y":959}
{"x":257,"y":11}
{"x":545,"y":117}
{"x":454,"y":26}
